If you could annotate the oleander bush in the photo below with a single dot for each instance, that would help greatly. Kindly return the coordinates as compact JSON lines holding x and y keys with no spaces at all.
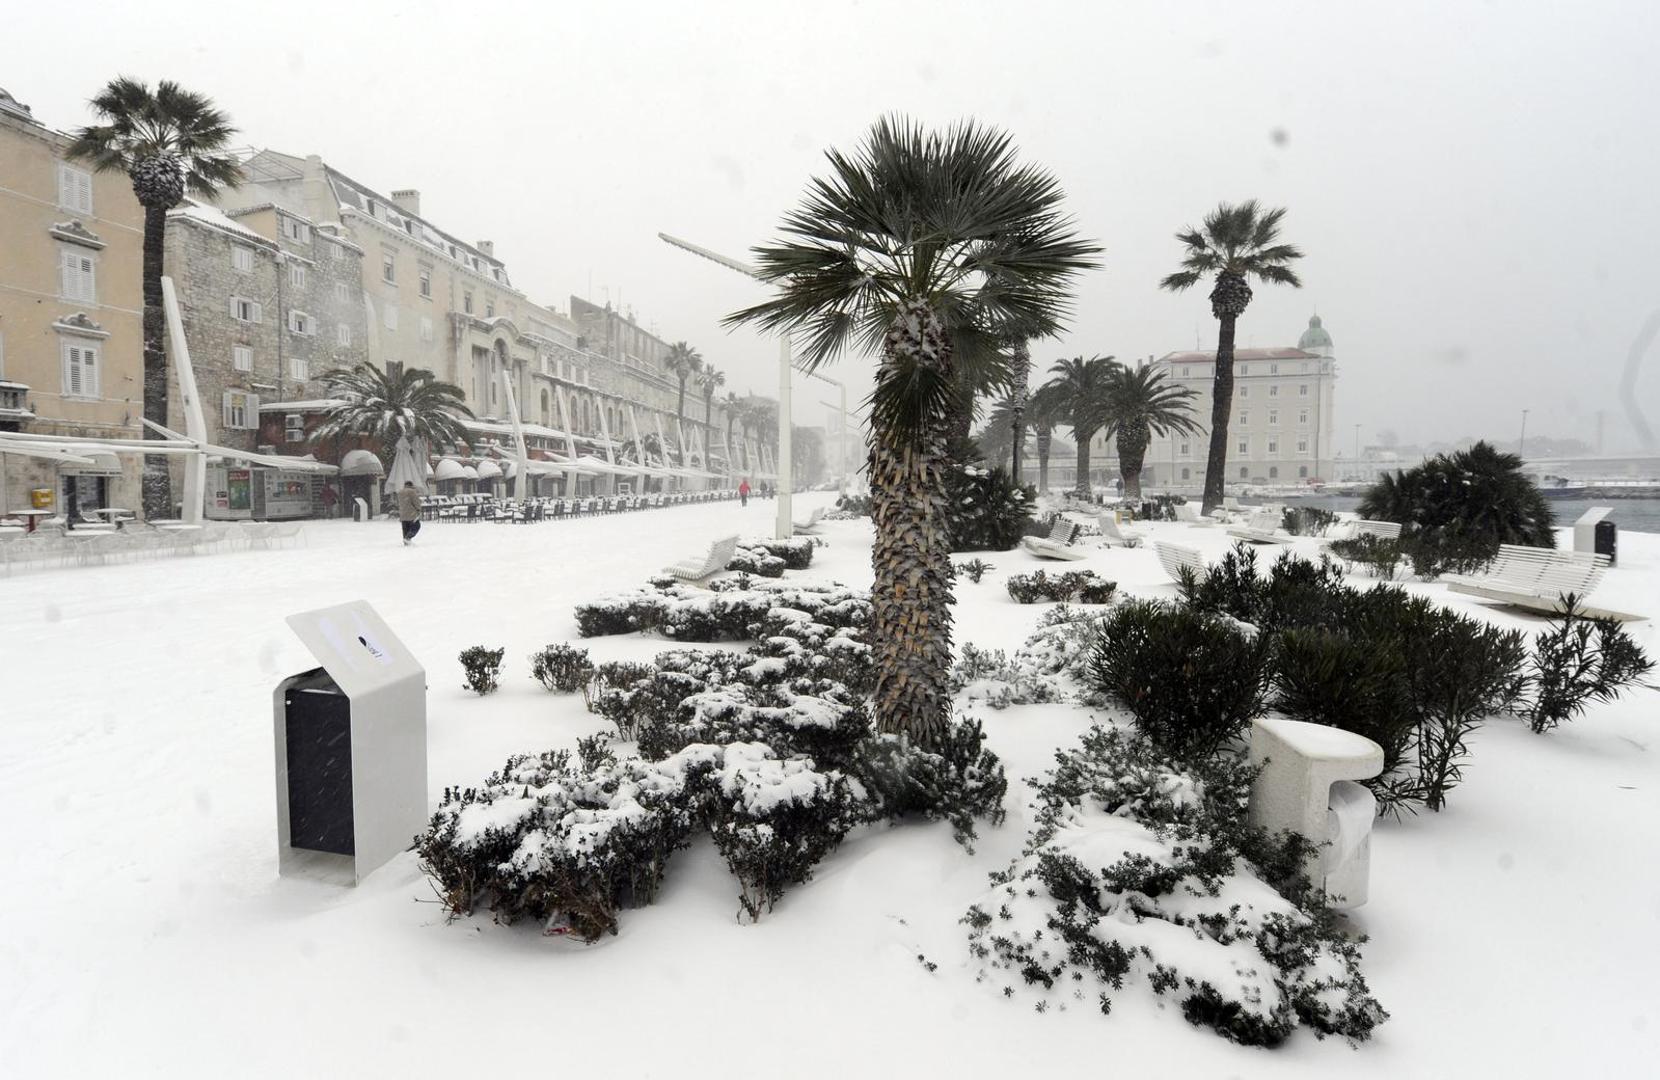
{"x":562,"y":668}
{"x":1141,"y":871}
{"x":1576,"y":661}
{"x":1069,"y":586}
{"x":1379,"y":555}
{"x":1052,"y":665}
{"x":974,"y":569}
{"x":1307,"y":520}
{"x":985,"y":509}
{"x":1191,"y":680}
{"x":481,"y":668}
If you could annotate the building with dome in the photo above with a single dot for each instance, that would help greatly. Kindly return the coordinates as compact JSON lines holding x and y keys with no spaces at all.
{"x":1283,"y":427}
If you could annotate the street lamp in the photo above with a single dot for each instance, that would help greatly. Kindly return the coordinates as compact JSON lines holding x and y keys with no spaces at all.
{"x":783,"y":527}
{"x":1357,"y":453}
{"x":1521,"y":443}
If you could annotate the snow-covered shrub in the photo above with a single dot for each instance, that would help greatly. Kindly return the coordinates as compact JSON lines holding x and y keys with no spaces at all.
{"x":974,"y":569}
{"x":795,"y":551}
{"x":1294,"y":591}
{"x":564,"y":668}
{"x":482,"y":668}
{"x":1052,"y":665}
{"x":756,"y":561}
{"x":1142,"y":871}
{"x":828,"y":655}
{"x":1191,"y":680}
{"x":773,"y":819}
{"x":960,"y":783}
{"x":735,"y":609}
{"x":1306,"y":520}
{"x":851,"y":506}
{"x":1380,"y":555}
{"x":625,"y":613}
{"x":1069,"y":586}
{"x":636,"y":697}
{"x":985,"y":509}
{"x":1577,"y":661}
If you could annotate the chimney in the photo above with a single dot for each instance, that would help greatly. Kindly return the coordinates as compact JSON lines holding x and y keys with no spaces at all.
{"x":488,"y":247}
{"x":408,"y":200}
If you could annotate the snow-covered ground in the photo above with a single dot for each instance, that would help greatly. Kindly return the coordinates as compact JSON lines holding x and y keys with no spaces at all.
{"x":146,"y":932}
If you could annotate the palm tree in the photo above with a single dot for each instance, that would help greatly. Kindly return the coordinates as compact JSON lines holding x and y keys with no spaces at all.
{"x":997,"y":438}
{"x":1235,"y":243}
{"x":682,"y":362}
{"x":923,"y":245}
{"x":733,"y":405}
{"x":1043,"y":408}
{"x":167,"y":142}
{"x":1140,"y":403}
{"x":709,"y":380}
{"x":398,"y":403}
{"x":1020,"y":374}
{"x":1079,"y":392}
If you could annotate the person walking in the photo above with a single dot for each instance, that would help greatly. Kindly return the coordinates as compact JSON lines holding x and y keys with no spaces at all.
{"x":330,"y":497}
{"x":743,"y":493}
{"x":409,"y":510}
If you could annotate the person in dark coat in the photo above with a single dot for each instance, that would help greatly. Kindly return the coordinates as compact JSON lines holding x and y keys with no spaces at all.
{"x":409,"y":510}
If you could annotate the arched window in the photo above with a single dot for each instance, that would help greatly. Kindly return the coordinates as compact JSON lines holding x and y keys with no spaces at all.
{"x":1244,"y":472}
{"x":547,"y":417}
{"x":1273,"y":472}
{"x":1187,"y":474}
{"x":1302,"y":470}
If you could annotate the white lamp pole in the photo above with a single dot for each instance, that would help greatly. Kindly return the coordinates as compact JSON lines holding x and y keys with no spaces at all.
{"x":783,"y":526}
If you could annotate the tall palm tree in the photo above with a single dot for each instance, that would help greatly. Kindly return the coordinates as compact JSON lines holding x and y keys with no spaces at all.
{"x":1235,"y":244}
{"x":733,"y":405}
{"x":1140,"y":403}
{"x":1043,"y":407}
{"x":398,"y":403}
{"x":167,"y":142}
{"x":709,"y":380}
{"x":1079,"y":393}
{"x":1020,"y":374}
{"x":997,"y":438}
{"x":682,"y":362}
{"x":922,"y":245}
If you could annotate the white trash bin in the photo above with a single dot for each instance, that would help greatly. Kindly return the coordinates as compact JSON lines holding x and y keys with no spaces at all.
{"x":1306,"y":784}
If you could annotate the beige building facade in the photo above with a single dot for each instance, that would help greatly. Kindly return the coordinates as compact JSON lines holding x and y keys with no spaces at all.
{"x":71,"y":336}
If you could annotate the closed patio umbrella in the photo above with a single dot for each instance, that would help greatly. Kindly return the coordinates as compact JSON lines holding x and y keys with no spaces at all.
{"x":406,"y":468}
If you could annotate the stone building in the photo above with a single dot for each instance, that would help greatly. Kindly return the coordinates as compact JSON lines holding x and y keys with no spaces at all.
{"x":269,"y":303}
{"x":1282,"y":431}
{"x":71,"y":335}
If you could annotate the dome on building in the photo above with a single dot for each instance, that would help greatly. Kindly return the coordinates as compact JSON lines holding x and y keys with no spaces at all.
{"x":9,"y":104}
{"x":1315,"y":338}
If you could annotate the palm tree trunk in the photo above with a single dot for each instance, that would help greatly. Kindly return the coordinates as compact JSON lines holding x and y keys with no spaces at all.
{"x":911,"y":598}
{"x":1081,"y":486}
{"x":1132,"y":453}
{"x":1043,"y":438}
{"x":1221,"y":408}
{"x":156,"y":488}
{"x":1022,"y":373}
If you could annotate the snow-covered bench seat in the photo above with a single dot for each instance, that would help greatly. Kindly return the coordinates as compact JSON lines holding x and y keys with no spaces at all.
{"x":1539,"y":579}
{"x":811,"y":524}
{"x":1112,"y":535}
{"x":1350,"y":530}
{"x":1260,"y":527}
{"x":720,"y":553}
{"x":1061,"y":543}
{"x":1175,"y":558}
{"x":1188,"y":514}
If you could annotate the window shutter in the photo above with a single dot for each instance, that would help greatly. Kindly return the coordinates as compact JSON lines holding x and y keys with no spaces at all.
{"x":258,"y":313}
{"x":226,"y":419}
{"x":252,"y":414}
{"x":71,"y":370}
{"x":89,"y":371}
{"x":66,"y":285}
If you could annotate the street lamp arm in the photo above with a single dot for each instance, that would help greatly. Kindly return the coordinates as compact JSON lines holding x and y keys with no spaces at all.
{"x":730,"y":264}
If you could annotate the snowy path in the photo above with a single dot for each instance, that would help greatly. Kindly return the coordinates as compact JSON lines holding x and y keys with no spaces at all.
{"x":147,"y":932}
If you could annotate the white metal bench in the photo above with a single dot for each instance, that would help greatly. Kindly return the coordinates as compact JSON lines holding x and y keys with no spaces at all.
{"x":1383,"y":530}
{"x":1188,"y":514}
{"x":1061,"y":543}
{"x":1112,"y":535}
{"x":720,"y":553}
{"x":1539,"y":579}
{"x":811,"y":524}
{"x":1260,"y":527}
{"x":1175,"y":558}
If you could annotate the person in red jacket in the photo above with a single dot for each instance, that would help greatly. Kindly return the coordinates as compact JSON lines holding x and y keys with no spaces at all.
{"x":743,"y":493}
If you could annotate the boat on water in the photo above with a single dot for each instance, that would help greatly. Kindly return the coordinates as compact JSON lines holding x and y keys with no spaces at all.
{"x":1560,"y":487}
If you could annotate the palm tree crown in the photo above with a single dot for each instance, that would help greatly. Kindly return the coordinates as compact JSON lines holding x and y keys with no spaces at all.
{"x":1077,"y":395}
{"x":168,"y":142}
{"x":1234,"y":244}
{"x":709,"y":380}
{"x":682,"y":362}
{"x":1140,"y":403}
{"x":397,"y":403}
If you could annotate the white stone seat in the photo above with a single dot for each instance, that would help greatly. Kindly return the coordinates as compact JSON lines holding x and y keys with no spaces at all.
{"x":1297,"y":789}
{"x":811,"y":524}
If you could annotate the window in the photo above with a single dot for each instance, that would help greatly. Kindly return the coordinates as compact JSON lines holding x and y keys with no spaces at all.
{"x":300,"y":323}
{"x":1302,"y":446}
{"x":1273,"y":417}
{"x":1305,"y":367}
{"x":296,"y":230}
{"x":426,"y":328}
{"x":1244,"y":473}
{"x":1187,"y":474}
{"x":1302,"y":391}
{"x":1186,"y":449}
{"x":1273,"y":472}
{"x":79,"y":277}
{"x":296,"y":275}
{"x":245,"y":310}
{"x":1274,"y":390}
{"x":1244,"y":417}
{"x":489,"y":309}
{"x":293,"y":427}
{"x":242,"y":258}
{"x":299,"y":368}
{"x":241,"y":410}
{"x":1244,"y":369}
{"x":74,"y":188}
{"x":1244,"y":391}
{"x":342,"y":292}
{"x":426,"y":282}
{"x":1302,"y":416}
{"x":1273,"y":446}
{"x":80,"y":370}
{"x":1273,"y":369}
{"x":388,"y":268}
{"x":389,"y":317}
{"x":467,"y":303}
{"x":1186,"y":371}
{"x":1244,"y":446}
{"x":242,"y":357}
{"x":1302,"y":470}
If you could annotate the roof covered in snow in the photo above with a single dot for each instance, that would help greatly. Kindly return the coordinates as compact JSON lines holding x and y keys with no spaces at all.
{"x":1203,"y":357}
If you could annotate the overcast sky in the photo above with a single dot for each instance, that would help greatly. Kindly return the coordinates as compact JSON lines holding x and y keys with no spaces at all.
{"x":1474,"y":184}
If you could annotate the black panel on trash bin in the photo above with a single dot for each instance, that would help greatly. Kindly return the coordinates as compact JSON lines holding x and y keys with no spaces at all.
{"x":320,"y":767}
{"x":1607,"y":541}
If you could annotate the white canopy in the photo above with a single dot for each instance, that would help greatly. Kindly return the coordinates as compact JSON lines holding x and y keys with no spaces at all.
{"x":448,"y":469}
{"x":488,"y":470}
{"x":361,"y":463}
{"x":469,"y":473}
